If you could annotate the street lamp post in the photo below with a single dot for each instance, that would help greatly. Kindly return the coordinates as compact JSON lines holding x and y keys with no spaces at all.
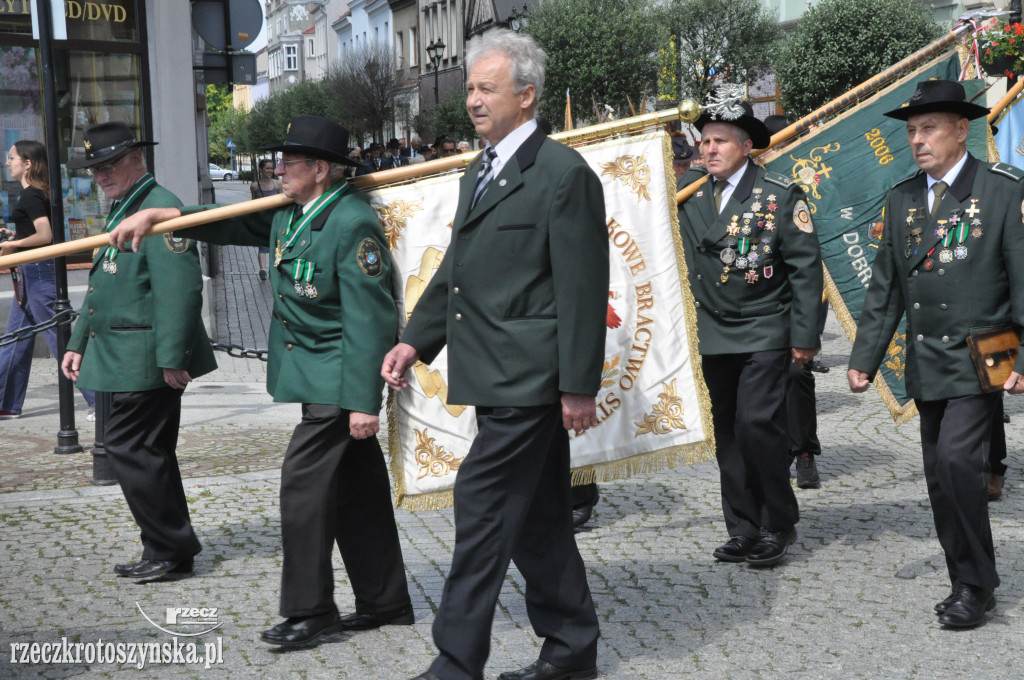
{"x":435,"y":51}
{"x":517,"y":21}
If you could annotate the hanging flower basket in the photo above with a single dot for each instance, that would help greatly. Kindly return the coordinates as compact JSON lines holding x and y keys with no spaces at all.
{"x":1001,"y":49}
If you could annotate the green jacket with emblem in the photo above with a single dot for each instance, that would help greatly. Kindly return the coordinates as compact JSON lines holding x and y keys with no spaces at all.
{"x":778,"y":310}
{"x":326,"y":349}
{"x":521,"y":296}
{"x":945,"y":301}
{"x":145,"y":317}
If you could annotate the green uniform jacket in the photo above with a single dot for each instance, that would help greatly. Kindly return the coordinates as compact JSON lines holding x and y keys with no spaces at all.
{"x":779,"y":309}
{"x":327,"y":349}
{"x":147,"y":316}
{"x":521,"y":296}
{"x":945,"y":301}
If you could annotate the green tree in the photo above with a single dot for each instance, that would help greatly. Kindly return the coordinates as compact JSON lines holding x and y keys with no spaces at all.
{"x":228,"y":124}
{"x":841,"y":43}
{"x":719,"y":39}
{"x":599,"y":50}
{"x":363,"y":88}
{"x":218,"y":99}
{"x":450,"y":118}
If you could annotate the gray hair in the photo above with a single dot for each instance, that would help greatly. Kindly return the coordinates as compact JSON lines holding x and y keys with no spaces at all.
{"x":525,"y":56}
{"x":335,"y":170}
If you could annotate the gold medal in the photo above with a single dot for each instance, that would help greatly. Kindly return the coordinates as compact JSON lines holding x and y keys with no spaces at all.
{"x":278,"y":254}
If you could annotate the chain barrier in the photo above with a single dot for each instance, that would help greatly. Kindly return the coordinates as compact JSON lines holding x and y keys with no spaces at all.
{"x":67,"y":316}
{"x":239,"y":352}
{"x":28,"y":332}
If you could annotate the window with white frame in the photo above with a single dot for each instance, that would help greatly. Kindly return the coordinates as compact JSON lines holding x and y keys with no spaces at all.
{"x":399,"y":46}
{"x":291,"y":58}
{"x":413,"y":48}
{"x":312,"y":47}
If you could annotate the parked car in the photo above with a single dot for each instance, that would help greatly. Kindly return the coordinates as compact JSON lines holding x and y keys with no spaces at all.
{"x":217,"y":172}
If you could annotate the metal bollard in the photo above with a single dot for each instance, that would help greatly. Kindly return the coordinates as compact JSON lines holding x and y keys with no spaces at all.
{"x":102,"y":473}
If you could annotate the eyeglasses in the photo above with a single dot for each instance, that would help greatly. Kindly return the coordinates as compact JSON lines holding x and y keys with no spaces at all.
{"x":13,"y":158}
{"x":106,"y":168}
{"x":308,"y":161}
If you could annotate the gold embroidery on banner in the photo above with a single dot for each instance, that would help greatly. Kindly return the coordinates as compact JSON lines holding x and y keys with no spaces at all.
{"x":808,"y":172}
{"x":433,"y":385}
{"x":417,"y":283}
{"x":394,"y":217}
{"x":609,"y":372}
{"x":895,"y":360}
{"x":433,"y":460}
{"x":633,"y":172}
{"x":667,"y":415}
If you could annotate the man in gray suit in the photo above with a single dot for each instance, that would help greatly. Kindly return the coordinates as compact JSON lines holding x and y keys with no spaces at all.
{"x":520,"y":300}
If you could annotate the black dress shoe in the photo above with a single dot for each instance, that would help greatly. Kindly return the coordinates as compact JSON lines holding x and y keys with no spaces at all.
{"x":735,"y":550}
{"x":150,"y":569}
{"x":299,"y":631}
{"x":770,"y":548}
{"x":542,"y":670}
{"x":582,"y":512}
{"x":969,"y":609}
{"x":125,"y":569}
{"x":941,"y":607}
{"x":399,"y":617}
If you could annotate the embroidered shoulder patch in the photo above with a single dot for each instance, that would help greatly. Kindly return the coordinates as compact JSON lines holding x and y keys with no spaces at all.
{"x":176,"y":244}
{"x":369,"y":257}
{"x":802,"y":217}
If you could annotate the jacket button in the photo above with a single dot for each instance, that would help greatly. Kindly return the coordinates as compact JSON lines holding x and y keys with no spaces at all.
{"x":458,"y":316}
{"x":280,"y":297}
{"x":697,"y":303}
{"x":91,"y":289}
{"x":699,"y":277}
{"x":288,"y":347}
{"x":703,"y":249}
{"x":188,"y":352}
{"x":945,"y":338}
{"x":943,"y":306}
{"x":913,"y":273}
{"x":942,"y":272}
{"x":284,"y":322}
{"x":90,"y":312}
{"x":92,"y":334}
{"x":917,"y":305}
{"x":920,"y":338}
{"x":455,"y":290}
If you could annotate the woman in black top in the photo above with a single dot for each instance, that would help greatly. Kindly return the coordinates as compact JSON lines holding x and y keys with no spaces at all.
{"x":265,"y":185}
{"x":35,"y":287}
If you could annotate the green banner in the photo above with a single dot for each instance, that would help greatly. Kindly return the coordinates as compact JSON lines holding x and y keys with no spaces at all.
{"x":847,"y":167}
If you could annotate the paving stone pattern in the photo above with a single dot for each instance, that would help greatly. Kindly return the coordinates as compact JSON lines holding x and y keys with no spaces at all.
{"x":853,"y":599}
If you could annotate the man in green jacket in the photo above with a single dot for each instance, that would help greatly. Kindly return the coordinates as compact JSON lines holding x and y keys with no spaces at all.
{"x":756,"y":276}
{"x":334,"y":318}
{"x":951,"y":259}
{"x":141,"y":338}
{"x":520,"y":301}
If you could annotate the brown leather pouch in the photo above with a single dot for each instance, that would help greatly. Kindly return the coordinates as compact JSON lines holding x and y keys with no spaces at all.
{"x":994,"y":353}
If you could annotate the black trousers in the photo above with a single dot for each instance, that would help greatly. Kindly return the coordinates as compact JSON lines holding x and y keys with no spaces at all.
{"x":997,"y":450}
{"x":802,"y":411}
{"x":140,"y":438}
{"x":955,"y":439}
{"x":748,"y":398}
{"x":335,"y":489}
{"x":512,"y":503}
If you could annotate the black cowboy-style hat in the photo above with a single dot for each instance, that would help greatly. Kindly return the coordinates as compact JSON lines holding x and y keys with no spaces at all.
{"x":740,"y":114}
{"x":681,"y":150}
{"x":776,"y":123}
{"x":316,"y":137}
{"x":105,"y":141}
{"x":938,"y":95}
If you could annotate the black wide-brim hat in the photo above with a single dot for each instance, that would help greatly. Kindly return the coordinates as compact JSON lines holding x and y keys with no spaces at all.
{"x":316,"y":137}
{"x":947,"y":96}
{"x":745,"y":121}
{"x":681,"y":150}
{"x":105,"y":141}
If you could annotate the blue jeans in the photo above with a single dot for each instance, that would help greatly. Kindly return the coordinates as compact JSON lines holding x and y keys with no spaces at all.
{"x":16,"y":358}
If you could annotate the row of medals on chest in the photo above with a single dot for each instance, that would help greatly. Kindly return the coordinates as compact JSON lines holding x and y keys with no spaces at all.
{"x":302,"y":273}
{"x":960,"y":224}
{"x":742,"y":243}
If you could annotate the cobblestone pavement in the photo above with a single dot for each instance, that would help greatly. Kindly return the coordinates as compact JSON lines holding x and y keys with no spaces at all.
{"x":853,"y":599}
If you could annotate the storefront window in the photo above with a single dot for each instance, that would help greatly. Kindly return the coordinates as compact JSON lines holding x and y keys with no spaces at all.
{"x":98,"y":79}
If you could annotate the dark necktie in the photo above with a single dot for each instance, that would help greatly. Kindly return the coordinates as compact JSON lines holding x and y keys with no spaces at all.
{"x":720,"y":185}
{"x":483,"y":177}
{"x":938,"y":189}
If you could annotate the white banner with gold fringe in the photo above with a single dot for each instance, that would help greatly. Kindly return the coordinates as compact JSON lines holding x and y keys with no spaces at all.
{"x":653,"y":406}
